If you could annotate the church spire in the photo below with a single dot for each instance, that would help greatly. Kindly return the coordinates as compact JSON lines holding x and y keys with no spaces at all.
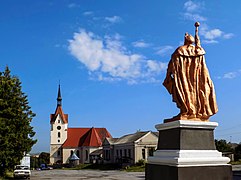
{"x":59,"y":98}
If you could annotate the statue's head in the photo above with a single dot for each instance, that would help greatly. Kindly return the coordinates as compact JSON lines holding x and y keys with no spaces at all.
{"x":189,"y":39}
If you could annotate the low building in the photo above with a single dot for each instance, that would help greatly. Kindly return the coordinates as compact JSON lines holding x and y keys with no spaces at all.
{"x":130,"y":148}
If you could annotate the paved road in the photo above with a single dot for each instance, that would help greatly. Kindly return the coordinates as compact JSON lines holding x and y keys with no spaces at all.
{"x":86,"y":174}
{"x":95,"y":174}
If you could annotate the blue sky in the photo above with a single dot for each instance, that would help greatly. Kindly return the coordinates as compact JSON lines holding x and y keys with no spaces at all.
{"x":111,"y":59}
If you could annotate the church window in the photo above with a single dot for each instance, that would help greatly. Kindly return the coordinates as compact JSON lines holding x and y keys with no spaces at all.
{"x":129,"y":152}
{"x":143,"y":154}
{"x":71,"y":152}
{"x":58,"y":121}
{"x":77,"y":153}
{"x":58,"y":140}
{"x":58,"y":134}
{"x":86,"y":155}
{"x":58,"y":127}
{"x":125,"y":153}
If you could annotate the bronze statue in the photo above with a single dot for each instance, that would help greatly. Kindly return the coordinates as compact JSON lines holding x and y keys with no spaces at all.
{"x":189,"y":83}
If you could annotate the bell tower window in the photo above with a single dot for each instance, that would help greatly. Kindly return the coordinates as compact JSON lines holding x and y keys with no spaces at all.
{"x":58,"y":134}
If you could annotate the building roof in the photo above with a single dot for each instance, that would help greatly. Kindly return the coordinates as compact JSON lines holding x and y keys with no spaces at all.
{"x":96,"y":152}
{"x":59,"y":111}
{"x":74,"y":157}
{"x":130,"y":138}
{"x":112,"y":140}
{"x":77,"y":137}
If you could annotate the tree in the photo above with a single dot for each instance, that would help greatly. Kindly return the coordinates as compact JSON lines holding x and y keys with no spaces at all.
{"x":223,"y":146}
{"x":16,"y":133}
{"x":44,"y":158}
{"x":237,"y":153}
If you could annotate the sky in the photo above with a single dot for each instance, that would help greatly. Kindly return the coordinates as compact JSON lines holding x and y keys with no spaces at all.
{"x":110,"y":58}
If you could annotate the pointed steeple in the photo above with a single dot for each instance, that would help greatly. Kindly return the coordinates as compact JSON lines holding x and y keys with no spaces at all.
{"x":59,"y":98}
{"x":59,"y":110}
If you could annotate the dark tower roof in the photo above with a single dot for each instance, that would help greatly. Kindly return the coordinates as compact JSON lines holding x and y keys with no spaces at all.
{"x":59,"y":110}
{"x":59,"y":98}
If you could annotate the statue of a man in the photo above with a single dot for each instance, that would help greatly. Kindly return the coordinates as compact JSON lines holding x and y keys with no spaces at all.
{"x":189,"y":83}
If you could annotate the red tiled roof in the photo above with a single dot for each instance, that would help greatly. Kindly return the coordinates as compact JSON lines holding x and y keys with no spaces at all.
{"x":59,"y":111}
{"x":77,"y":137}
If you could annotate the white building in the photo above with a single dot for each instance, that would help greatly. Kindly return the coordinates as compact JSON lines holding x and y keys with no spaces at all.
{"x":130,"y":148}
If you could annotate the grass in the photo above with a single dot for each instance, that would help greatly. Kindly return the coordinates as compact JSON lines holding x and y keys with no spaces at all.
{"x":95,"y":166}
{"x":9,"y":175}
{"x":135,"y":168}
{"x":235,"y":162}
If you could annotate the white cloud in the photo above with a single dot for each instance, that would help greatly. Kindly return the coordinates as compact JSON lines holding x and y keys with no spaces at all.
{"x":213,"y":34}
{"x":194,"y":17}
{"x":73,"y":5}
{"x":154,"y":66}
{"x":191,"y":6}
{"x":108,"y":60}
{"x":230,"y":75}
{"x":228,"y":36}
{"x":165,"y":50}
{"x":88,"y":13}
{"x":140,"y":44}
{"x":113,"y":19}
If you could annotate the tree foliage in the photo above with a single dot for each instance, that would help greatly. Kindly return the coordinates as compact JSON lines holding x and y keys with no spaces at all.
{"x":237,"y":153}
{"x":223,"y":146}
{"x":16,"y":133}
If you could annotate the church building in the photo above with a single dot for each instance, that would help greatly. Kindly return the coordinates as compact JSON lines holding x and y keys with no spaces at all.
{"x":65,"y":141}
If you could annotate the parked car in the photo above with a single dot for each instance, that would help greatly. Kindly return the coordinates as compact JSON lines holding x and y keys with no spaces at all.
{"x":22,"y":172}
{"x":45,"y":167}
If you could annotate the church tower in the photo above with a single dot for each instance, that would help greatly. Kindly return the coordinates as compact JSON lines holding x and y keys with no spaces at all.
{"x":58,"y":132}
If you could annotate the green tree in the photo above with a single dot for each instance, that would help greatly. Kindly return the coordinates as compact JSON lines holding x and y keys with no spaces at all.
{"x":16,"y":133}
{"x":237,"y":153}
{"x":44,"y":158}
{"x":223,"y":146}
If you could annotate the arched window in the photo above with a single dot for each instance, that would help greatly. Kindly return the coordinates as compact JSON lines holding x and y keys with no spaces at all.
{"x":86,"y":155}
{"x":58,"y":134}
{"x":77,"y":153}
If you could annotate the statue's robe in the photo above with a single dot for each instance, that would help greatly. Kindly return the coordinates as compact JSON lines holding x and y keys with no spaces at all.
{"x":189,"y":83}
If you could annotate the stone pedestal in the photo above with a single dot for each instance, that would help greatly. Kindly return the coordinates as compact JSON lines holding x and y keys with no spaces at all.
{"x":186,"y":151}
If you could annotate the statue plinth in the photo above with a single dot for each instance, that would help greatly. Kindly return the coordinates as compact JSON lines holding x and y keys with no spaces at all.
{"x":186,"y":117}
{"x":186,"y":151}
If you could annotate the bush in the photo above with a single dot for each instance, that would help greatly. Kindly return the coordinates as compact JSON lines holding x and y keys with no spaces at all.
{"x":141,"y":162}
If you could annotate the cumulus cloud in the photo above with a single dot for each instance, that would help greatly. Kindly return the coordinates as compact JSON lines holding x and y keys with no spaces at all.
{"x":113,"y":19}
{"x":108,"y":60}
{"x":165,"y":50}
{"x":140,"y":44}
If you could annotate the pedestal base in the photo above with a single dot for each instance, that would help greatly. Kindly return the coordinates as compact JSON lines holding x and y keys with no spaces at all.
{"x":186,"y":151}
{"x":165,"y":172}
